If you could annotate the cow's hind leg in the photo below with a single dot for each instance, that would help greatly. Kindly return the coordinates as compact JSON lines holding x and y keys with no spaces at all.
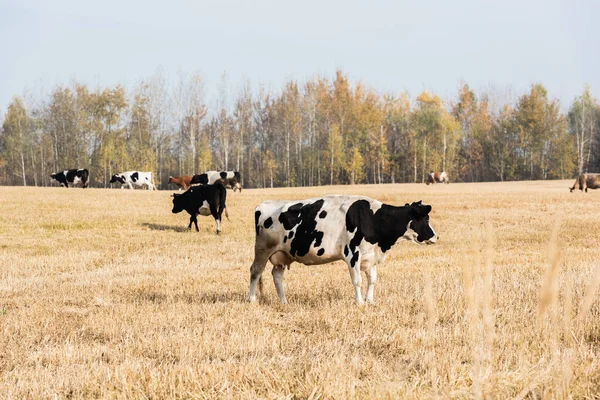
{"x":256,"y":270}
{"x":217,"y":217}
{"x":371,"y":271}
{"x":277,"y":273}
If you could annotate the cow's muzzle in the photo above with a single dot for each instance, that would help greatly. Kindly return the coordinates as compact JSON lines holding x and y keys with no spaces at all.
{"x":433,"y":240}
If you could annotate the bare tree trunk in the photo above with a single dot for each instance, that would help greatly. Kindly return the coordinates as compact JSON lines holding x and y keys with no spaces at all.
{"x":287,"y":164}
{"x":424,"y":159}
{"x":33,"y":168}
{"x":444,"y":154}
{"x":415,"y":165}
{"x":23,"y":168}
{"x":43,"y":162}
{"x":590,"y":140}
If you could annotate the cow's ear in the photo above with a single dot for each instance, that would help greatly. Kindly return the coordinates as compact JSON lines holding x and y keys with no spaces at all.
{"x":425,"y":210}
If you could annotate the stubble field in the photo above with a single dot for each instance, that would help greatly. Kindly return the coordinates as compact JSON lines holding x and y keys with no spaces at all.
{"x":105,"y":294}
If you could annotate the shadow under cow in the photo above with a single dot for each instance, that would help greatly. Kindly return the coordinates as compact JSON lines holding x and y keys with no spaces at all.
{"x":162,"y":227}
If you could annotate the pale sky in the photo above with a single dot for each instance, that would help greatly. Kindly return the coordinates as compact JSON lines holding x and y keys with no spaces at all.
{"x":392,"y":46}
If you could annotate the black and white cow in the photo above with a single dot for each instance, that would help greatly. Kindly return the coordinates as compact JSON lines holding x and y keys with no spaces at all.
{"x":356,"y":229}
{"x":72,"y":176}
{"x":202,"y":200}
{"x":134,"y":178}
{"x":230,"y":179}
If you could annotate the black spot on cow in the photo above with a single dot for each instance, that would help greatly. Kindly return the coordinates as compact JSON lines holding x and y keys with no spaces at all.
{"x":354,"y":259}
{"x":346,"y":251}
{"x":256,"y":217}
{"x":323,"y":214}
{"x":384,"y":227}
{"x":291,"y":235}
{"x":304,"y":218}
{"x":135,"y":176}
{"x":201,"y":179}
{"x":285,"y":239}
{"x":268,"y":222}
{"x":321,"y":252}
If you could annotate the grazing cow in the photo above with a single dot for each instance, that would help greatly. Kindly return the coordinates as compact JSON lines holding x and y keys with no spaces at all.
{"x":72,"y":176}
{"x":356,"y":229}
{"x":437,"y":177}
{"x":134,"y":178}
{"x":230,"y":179}
{"x":182,"y":182}
{"x":586,"y":181}
{"x":203,"y":200}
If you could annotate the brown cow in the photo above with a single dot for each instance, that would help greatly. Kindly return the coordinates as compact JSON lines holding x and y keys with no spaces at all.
{"x":182,"y":182}
{"x":437,"y":177}
{"x":586,"y":181}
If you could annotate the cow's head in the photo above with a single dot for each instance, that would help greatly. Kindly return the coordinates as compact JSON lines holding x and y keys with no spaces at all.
{"x":418,"y":229}
{"x":170,"y":179}
{"x":117,"y":178}
{"x":177,"y":203}
{"x":53,"y":176}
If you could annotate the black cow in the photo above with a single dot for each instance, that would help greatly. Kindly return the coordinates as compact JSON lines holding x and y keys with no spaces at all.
{"x":203,"y":200}
{"x":356,"y":229}
{"x":72,"y":176}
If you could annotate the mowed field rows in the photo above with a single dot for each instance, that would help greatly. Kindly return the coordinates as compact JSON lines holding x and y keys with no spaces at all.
{"x":105,"y":294}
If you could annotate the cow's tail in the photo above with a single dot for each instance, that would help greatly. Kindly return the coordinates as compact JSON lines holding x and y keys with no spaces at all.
{"x":222,"y":199}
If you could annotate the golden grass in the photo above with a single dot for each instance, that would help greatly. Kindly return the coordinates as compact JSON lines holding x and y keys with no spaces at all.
{"x":104,"y":294}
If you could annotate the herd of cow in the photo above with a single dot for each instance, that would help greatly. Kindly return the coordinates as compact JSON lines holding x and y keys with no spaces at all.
{"x":356,"y":229}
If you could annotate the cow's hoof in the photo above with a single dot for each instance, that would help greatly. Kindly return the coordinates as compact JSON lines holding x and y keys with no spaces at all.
{"x":252,"y":299}
{"x":218,"y":232}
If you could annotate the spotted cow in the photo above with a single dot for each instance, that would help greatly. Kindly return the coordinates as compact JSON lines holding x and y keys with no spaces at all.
{"x":72,"y":176}
{"x":356,"y":229}
{"x":586,"y":181}
{"x":230,"y":179}
{"x":437,"y":177}
{"x":134,"y":178}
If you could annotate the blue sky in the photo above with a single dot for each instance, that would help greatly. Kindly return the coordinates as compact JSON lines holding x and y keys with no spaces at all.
{"x":392,"y":46}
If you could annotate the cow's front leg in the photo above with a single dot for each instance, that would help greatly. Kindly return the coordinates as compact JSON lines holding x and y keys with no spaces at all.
{"x":196,"y":223}
{"x":130,"y":185}
{"x":277,"y":272}
{"x":371,"y":279}
{"x":256,"y":270}
{"x":354,"y":268}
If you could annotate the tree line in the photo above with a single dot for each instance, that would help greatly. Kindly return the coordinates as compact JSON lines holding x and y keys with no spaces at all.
{"x":323,"y":131}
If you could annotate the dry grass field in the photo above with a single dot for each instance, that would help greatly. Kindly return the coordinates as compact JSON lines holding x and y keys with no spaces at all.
{"x":105,"y":294}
